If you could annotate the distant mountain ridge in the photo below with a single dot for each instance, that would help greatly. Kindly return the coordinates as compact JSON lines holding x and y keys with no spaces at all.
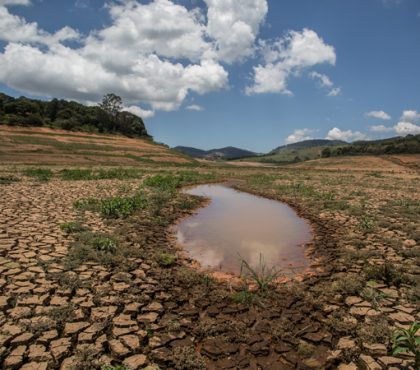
{"x":228,"y":152}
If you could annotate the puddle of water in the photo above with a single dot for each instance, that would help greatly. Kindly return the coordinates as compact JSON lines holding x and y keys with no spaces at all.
{"x":240,"y":224}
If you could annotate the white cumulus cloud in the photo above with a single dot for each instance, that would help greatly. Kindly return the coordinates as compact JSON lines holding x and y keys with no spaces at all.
{"x":286,"y":56}
{"x":14,"y":2}
{"x":300,"y":135}
{"x":152,"y":54}
{"x":406,"y":128}
{"x":407,"y":124}
{"x":15,"y":29}
{"x":380,"y":114}
{"x":345,"y":135}
{"x":410,"y":116}
{"x":194,"y":107}
{"x":381,"y":128}
{"x":140,"y":112}
{"x":234,"y":26}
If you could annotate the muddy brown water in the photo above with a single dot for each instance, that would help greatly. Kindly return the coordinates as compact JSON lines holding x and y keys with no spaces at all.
{"x":237,"y":225}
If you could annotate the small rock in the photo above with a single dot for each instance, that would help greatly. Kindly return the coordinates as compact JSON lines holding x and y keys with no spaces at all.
{"x":135,"y":362}
{"x":60,"y":347}
{"x":350,"y":366}
{"x":376,"y":349}
{"x":409,"y":243}
{"x":346,"y":343}
{"x":117,"y":348}
{"x":402,"y":317}
{"x":369,"y":363}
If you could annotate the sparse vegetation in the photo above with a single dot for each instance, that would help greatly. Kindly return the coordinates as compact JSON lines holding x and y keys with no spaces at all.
{"x":407,"y":341}
{"x":72,"y":227}
{"x":40,"y":174}
{"x":262,"y":275}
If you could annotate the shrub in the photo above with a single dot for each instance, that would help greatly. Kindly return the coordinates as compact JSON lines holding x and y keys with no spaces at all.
{"x":167,"y":259}
{"x":387,"y":273}
{"x":72,"y":227}
{"x":121,"y":207}
{"x":104,"y":243}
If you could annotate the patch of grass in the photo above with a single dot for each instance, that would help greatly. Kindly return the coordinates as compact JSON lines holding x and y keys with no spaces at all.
{"x":348,"y":284}
{"x":113,"y":207}
{"x":72,"y":227}
{"x":167,"y":259}
{"x":372,"y":295}
{"x":8,"y":179}
{"x":387,"y":273}
{"x":306,"y":349}
{"x":100,"y":248}
{"x":87,"y":204}
{"x":40,"y":174}
{"x":186,"y":358}
{"x":121,"y":207}
{"x":101,"y":174}
{"x":104,"y":243}
{"x":245,"y":296}
{"x":263,"y":276}
{"x":366,"y":223}
{"x":377,"y":330}
{"x":76,"y":174}
{"x":115,"y":367}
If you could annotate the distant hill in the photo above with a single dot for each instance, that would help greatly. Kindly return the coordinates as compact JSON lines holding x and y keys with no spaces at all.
{"x":297,"y":152}
{"x":305,"y":144}
{"x":226,"y":153}
{"x":68,"y":115}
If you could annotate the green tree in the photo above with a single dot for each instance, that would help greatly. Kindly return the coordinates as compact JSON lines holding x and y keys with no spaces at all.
{"x":111,"y":104}
{"x":326,"y":152}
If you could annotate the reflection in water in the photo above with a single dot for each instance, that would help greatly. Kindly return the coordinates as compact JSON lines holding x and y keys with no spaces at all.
{"x":240,"y":224}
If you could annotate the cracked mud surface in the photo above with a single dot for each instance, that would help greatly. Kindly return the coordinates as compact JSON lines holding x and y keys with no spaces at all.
{"x":145,"y":315}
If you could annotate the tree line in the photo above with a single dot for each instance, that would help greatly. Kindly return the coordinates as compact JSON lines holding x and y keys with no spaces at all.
{"x":107,"y":117}
{"x":409,"y":144}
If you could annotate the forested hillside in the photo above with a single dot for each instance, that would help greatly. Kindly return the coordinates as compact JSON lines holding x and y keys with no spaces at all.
{"x":107,"y":117}
{"x":409,"y":144}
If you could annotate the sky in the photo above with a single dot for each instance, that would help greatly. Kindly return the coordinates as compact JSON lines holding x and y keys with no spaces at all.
{"x":254,"y":74}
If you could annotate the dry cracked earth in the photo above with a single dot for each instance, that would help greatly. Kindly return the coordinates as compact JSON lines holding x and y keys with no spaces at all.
{"x":147,"y":316}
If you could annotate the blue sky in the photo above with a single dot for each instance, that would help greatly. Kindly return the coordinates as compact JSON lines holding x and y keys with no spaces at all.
{"x":249,"y":73}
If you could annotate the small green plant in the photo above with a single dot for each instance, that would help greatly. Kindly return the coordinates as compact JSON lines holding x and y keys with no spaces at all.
{"x":407,"y":340}
{"x":245,"y":296}
{"x":115,"y":367}
{"x":366,"y":223}
{"x":72,"y":227}
{"x":104,"y":243}
{"x":88,"y":204}
{"x":167,"y":259}
{"x":263,"y":275}
{"x":388,"y":273}
{"x":372,"y":295}
{"x":40,"y":174}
